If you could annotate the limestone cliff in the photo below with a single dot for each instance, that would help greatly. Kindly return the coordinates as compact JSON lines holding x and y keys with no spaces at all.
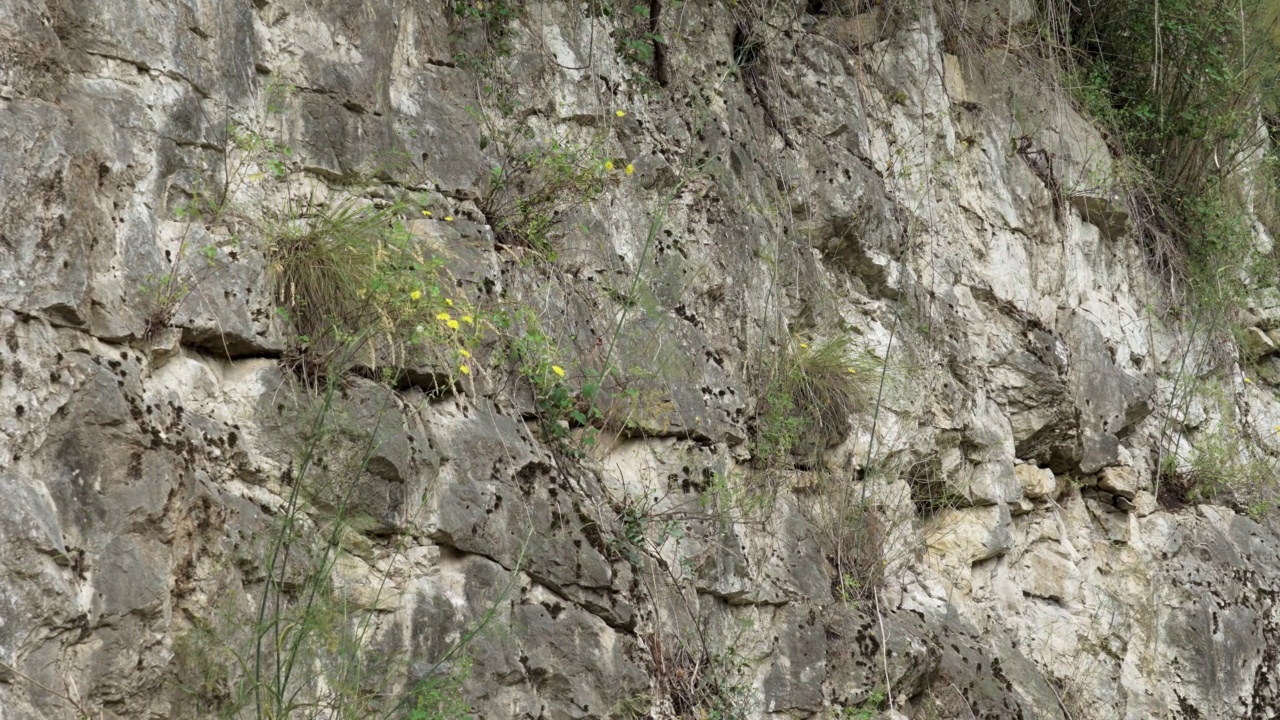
{"x":580,"y":493}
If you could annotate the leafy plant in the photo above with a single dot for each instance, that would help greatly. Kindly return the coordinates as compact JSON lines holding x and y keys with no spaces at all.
{"x":869,"y":709}
{"x":530,"y":192}
{"x":352,"y":286}
{"x":1226,"y":467}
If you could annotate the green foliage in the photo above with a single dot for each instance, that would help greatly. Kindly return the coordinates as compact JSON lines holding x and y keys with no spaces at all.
{"x":327,"y":259}
{"x":636,"y":41}
{"x":1228,"y":467}
{"x":439,"y":699}
{"x":529,"y":194}
{"x":808,"y":398}
{"x":355,"y":289}
{"x":1180,"y":84}
{"x":869,"y":709}
{"x":482,"y":29}
{"x":564,"y":402}
{"x":163,"y":294}
{"x":1223,"y":263}
{"x":1183,"y":76}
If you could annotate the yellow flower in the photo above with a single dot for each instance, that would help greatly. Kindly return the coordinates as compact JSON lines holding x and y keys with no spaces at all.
{"x":468,"y":320}
{"x":852,"y":371}
{"x":448,"y":302}
{"x":630,"y":168}
{"x":620,"y":113}
{"x":444,"y":316}
{"x":557,"y":370}
{"x":464,"y":369}
{"x":453,"y":324}
{"x":1248,"y":380}
{"x":415,"y":295}
{"x":463,"y":352}
{"x":804,"y":346}
{"x":448,"y":218}
{"x":608,"y":165}
{"x":426,"y":213}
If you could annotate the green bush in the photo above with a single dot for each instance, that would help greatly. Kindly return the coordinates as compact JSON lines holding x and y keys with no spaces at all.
{"x":356,"y":292}
{"x":1185,"y":77}
{"x":326,"y":258}
{"x":1181,"y":84}
{"x":1226,"y":467}
{"x":529,"y":194}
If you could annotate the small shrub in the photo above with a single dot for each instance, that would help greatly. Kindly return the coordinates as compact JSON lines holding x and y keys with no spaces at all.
{"x":357,"y":294}
{"x":1180,"y":85}
{"x":326,"y":258}
{"x":1223,"y":260}
{"x":852,"y":536}
{"x":440,"y":698}
{"x":1226,"y":467}
{"x":700,"y":683}
{"x":482,"y":31}
{"x":529,"y":194}
{"x":566,"y":399}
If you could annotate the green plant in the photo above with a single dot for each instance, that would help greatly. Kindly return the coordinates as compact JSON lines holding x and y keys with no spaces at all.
{"x":244,"y":150}
{"x":530,"y":192}
{"x":440,"y":699}
{"x":869,"y":709}
{"x":810,"y":394}
{"x":352,"y":286}
{"x":1226,"y":466}
{"x":494,"y":15}
{"x":1180,"y":84}
{"x":852,"y":535}
{"x":538,"y":361}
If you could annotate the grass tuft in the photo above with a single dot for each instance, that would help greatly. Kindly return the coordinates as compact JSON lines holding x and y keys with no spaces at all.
{"x":812,"y":393}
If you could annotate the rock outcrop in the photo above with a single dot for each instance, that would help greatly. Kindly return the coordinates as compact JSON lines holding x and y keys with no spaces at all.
{"x":981,"y":539}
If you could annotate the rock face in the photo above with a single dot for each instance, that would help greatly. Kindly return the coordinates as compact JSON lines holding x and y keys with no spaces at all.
{"x":980,"y":539}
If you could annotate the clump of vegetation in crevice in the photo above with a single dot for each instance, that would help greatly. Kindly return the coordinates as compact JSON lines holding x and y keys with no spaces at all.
{"x":358,"y":294}
{"x":536,"y":184}
{"x":638,"y":34}
{"x":1226,"y":466}
{"x":698,"y":682}
{"x":808,"y":396}
{"x":931,"y":492}
{"x":481,"y":31}
{"x":852,"y":535}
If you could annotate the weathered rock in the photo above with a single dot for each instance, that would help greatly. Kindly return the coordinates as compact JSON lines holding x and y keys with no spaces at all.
{"x":1048,"y":574}
{"x":1119,"y":480}
{"x":858,"y":182}
{"x":971,"y":535}
{"x":1036,"y":482}
{"x":1107,"y":213}
{"x":1256,"y":343}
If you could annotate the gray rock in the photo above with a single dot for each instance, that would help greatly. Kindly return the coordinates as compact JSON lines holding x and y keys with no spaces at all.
{"x":1108,"y":213}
